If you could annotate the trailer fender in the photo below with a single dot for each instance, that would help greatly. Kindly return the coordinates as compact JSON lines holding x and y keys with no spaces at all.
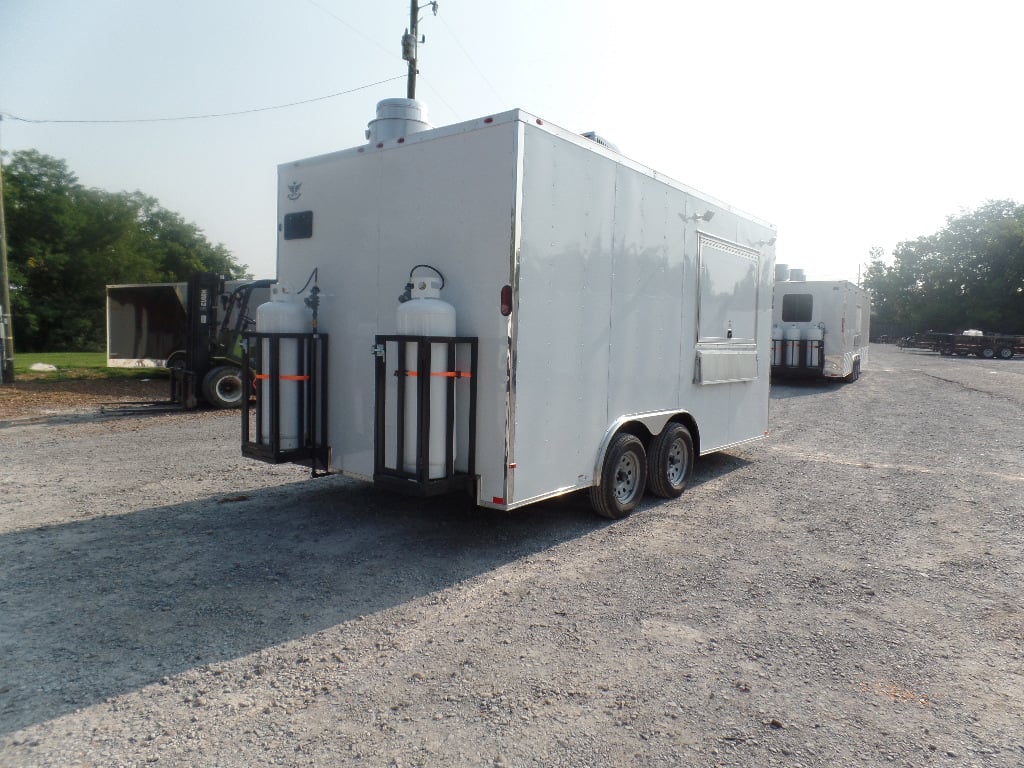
{"x":644,"y":426}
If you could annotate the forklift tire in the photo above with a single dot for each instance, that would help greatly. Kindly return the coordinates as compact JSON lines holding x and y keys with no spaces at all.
{"x":670,"y":461}
{"x":222,"y":387}
{"x":623,"y":478}
{"x":175,"y":361}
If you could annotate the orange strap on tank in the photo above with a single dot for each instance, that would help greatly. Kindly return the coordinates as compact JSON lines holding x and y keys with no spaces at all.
{"x":445,"y":374}
{"x":261,"y":376}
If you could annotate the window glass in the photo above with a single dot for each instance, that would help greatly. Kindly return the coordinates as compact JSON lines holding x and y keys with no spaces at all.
{"x":298,"y":226}
{"x":727,"y":308}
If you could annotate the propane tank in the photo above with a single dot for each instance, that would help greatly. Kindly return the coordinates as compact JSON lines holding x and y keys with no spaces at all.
{"x":422,"y":312}
{"x":815,"y":335}
{"x":793,"y":346}
{"x":284,"y":313}
{"x":778,"y":346}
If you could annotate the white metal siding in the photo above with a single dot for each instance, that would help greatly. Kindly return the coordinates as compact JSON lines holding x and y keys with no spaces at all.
{"x":447,"y":202}
{"x":601,"y":254}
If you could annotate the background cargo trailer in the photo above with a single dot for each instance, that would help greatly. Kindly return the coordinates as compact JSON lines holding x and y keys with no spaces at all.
{"x":605,"y":318}
{"x":820,"y":328}
{"x":146,"y":323}
{"x":194,"y":329}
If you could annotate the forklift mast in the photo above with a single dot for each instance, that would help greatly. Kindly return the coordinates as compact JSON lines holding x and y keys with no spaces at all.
{"x":216,"y":322}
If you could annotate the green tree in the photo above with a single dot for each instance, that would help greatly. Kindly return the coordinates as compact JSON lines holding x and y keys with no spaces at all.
{"x":970,"y":274}
{"x":66,"y":243}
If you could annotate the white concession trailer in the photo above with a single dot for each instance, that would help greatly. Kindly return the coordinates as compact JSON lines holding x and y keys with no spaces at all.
{"x":820,"y":328}
{"x":511,"y":308}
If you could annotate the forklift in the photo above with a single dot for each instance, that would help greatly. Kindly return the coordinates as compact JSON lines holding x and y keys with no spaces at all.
{"x":209,"y":369}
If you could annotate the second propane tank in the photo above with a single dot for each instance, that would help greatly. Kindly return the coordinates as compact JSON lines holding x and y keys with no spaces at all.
{"x":815,"y":336}
{"x":778,"y":344}
{"x":284,"y":313}
{"x":422,"y":312}
{"x":793,"y":346}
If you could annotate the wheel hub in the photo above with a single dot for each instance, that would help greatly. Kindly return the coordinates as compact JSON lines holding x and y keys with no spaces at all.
{"x":625,"y":478}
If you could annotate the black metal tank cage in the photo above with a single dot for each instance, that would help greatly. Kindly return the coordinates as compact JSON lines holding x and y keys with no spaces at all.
{"x":805,"y":353}
{"x":390,"y":354}
{"x":264,"y":385}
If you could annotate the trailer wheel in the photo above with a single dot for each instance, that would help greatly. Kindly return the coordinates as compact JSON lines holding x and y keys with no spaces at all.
{"x":855,"y":373}
{"x":623,"y":478}
{"x":670,"y":461}
{"x":987,"y":352}
{"x":222,"y":387}
{"x":1006,"y":353}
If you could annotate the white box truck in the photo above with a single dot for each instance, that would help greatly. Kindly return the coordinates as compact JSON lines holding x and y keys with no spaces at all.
{"x":572,"y":320}
{"x":820,"y":328}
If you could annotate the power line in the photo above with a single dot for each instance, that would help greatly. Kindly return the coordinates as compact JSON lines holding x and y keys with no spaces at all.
{"x":443,"y":100}
{"x":363,"y":35}
{"x":470,"y":59}
{"x":198,"y":117}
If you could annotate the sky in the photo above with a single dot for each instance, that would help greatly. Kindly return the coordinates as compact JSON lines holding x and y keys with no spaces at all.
{"x":848,"y":126}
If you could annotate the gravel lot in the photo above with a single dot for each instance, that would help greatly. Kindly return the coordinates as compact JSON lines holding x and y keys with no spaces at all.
{"x":846,"y":593}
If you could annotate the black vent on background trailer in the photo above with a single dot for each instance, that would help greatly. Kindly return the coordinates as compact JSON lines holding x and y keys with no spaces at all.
{"x":298,"y":226}
{"x":797,"y":308}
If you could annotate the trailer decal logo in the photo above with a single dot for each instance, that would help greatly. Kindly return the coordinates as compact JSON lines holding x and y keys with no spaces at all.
{"x":294,"y":192}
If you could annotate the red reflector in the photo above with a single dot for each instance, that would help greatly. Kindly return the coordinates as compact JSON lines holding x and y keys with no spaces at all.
{"x":401,"y":139}
{"x":539,"y":121}
{"x":488,"y":119}
{"x":497,"y":500}
{"x":380,"y":145}
{"x":506,"y":300}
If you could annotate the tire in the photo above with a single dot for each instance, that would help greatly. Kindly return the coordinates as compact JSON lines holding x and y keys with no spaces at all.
{"x":175,"y":361}
{"x":854,"y":374}
{"x":623,"y":478}
{"x":987,"y":352}
{"x":222,"y":387}
{"x":1005,"y":353}
{"x":670,"y":461}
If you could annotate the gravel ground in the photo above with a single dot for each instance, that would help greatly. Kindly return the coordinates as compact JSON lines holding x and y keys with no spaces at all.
{"x":846,"y":593}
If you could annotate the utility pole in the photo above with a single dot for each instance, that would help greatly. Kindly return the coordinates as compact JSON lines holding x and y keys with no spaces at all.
{"x":410,"y":43}
{"x":6,"y":329}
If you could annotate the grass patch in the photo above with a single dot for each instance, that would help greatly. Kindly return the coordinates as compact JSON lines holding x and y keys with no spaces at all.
{"x":76,"y":365}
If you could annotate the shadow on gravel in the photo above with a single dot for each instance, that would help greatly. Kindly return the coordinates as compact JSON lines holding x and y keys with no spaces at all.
{"x":802,"y":387}
{"x":714,"y":466}
{"x":102,"y":607}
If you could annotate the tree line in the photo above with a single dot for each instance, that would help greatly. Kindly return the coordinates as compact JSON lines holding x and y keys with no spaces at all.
{"x":968,"y":275}
{"x":66,"y":243}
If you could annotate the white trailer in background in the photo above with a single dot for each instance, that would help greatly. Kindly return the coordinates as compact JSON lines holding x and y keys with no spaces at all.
{"x":573,"y":320}
{"x":820,"y":328}
{"x":146,"y":323}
